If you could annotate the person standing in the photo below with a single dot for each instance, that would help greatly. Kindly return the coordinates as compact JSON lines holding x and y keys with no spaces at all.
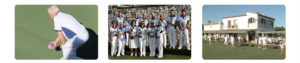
{"x":152,"y":34}
{"x":113,"y":37}
{"x":120,"y":18}
{"x":121,"y":39}
{"x":160,"y":38}
{"x":133,"y":36}
{"x":142,"y":33}
{"x":163,"y":35}
{"x":171,"y":29}
{"x":184,"y":32}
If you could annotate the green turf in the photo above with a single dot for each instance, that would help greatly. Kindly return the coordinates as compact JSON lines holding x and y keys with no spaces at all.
{"x":218,"y":51}
{"x":34,"y":28}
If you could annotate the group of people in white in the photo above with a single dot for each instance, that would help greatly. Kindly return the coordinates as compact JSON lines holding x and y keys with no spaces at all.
{"x":137,"y":33}
{"x":262,"y":40}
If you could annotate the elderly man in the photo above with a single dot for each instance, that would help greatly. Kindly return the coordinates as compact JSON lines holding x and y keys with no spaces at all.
{"x":66,"y":25}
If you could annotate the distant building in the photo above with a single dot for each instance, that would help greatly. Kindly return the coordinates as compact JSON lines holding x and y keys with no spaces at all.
{"x":251,"y":21}
{"x":252,"y":24}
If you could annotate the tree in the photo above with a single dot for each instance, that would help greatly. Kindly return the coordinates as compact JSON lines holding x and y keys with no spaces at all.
{"x":279,"y":28}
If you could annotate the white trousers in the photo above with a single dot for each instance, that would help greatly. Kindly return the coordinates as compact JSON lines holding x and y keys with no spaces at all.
{"x":70,"y":47}
{"x":172,"y":36}
{"x":113,"y":46}
{"x":184,"y":35}
{"x":164,"y":40}
{"x":143,"y":46}
{"x":127,"y":38}
{"x":160,"y":43}
{"x":152,"y":46}
{"x":121,"y":44}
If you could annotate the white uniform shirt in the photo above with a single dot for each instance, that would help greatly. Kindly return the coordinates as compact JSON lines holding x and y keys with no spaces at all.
{"x":113,"y":31}
{"x":161,"y":29}
{"x":152,"y":31}
{"x":164,"y":22}
{"x":145,"y":21}
{"x":137,"y":22}
{"x":183,"y":21}
{"x":68,"y":25}
{"x":134,"y":31}
{"x":119,"y":20}
{"x":127,"y":23}
{"x":171,"y":19}
{"x":155,"y":21}
{"x":122,"y":30}
{"x":264,"y":40}
{"x":142,"y":31}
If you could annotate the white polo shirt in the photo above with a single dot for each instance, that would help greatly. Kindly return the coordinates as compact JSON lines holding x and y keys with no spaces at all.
{"x":69,"y":26}
{"x":172,"y":19}
{"x":145,"y":21}
{"x":183,"y":20}
{"x":119,"y":20}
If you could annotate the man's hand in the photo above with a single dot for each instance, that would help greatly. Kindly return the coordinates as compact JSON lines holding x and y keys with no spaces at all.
{"x":54,"y":45}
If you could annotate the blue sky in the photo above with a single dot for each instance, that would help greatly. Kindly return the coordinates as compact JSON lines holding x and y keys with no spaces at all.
{"x":215,"y":13}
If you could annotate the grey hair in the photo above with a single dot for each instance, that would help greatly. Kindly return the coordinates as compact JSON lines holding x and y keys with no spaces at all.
{"x":53,"y":6}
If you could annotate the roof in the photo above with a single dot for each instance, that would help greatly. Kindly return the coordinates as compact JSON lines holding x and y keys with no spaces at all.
{"x":246,"y":15}
{"x":234,"y":16}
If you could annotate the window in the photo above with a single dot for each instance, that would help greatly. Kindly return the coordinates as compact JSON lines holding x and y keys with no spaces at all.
{"x":251,"y":20}
{"x":229,"y":24}
{"x":263,"y":21}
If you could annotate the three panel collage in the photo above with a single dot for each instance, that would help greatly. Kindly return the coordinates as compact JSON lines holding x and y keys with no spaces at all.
{"x":156,"y":32}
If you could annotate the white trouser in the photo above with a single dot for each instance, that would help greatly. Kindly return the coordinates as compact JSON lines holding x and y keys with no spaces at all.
{"x":70,"y":47}
{"x":127,"y":38}
{"x":152,"y":46}
{"x":121,"y":42}
{"x":160,"y":43}
{"x":142,"y":46}
{"x":172,"y":36}
{"x":164,"y":40}
{"x":123,"y":47}
{"x":113,"y":46}
{"x":184,"y":35}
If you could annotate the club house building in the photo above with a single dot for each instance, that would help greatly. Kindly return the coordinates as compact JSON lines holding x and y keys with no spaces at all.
{"x":251,"y":24}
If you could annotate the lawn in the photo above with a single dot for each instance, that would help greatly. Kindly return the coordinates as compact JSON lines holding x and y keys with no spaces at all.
{"x":34,"y":28}
{"x":218,"y":51}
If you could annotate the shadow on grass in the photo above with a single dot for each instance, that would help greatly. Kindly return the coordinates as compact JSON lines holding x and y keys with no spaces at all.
{"x":90,"y":49}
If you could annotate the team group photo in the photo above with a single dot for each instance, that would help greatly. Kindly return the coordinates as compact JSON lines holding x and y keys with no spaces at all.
{"x":149,"y":31}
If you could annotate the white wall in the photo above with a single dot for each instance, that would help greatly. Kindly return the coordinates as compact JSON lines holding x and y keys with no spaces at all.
{"x":241,"y":22}
{"x":211,"y":27}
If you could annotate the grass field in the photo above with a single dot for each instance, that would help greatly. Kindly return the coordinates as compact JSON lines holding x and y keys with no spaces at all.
{"x":34,"y":28}
{"x":218,"y":51}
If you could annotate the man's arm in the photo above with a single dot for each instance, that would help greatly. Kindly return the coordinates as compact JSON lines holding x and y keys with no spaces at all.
{"x":188,"y":25}
{"x":60,"y":38}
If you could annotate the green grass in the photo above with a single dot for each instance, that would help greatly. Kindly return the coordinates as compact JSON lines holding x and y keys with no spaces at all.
{"x":34,"y":28}
{"x":218,"y":51}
